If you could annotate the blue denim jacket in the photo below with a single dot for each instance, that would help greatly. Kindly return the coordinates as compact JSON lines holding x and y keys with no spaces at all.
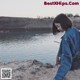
{"x":70,"y":44}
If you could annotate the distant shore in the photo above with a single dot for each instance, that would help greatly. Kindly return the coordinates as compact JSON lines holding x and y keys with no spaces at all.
{"x":25,"y":24}
{"x":36,"y":70}
{"x":12,"y":24}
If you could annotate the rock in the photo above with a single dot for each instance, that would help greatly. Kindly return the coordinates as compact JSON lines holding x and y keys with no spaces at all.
{"x":21,"y":68}
{"x":48,"y":65}
{"x":38,"y":63}
{"x":36,"y":70}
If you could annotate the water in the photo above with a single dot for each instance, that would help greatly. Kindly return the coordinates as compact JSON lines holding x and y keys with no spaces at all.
{"x":25,"y":46}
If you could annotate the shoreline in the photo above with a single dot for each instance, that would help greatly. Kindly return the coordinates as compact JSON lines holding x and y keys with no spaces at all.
{"x":36,"y":70}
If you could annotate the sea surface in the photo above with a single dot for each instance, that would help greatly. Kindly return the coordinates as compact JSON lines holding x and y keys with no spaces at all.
{"x":22,"y":46}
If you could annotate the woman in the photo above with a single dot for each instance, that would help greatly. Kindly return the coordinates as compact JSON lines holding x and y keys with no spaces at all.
{"x":69,"y":51}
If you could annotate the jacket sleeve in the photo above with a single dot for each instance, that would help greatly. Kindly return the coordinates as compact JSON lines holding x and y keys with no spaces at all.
{"x":66,"y":60}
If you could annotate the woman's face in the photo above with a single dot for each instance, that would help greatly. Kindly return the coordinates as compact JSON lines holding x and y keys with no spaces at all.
{"x":58,"y":25}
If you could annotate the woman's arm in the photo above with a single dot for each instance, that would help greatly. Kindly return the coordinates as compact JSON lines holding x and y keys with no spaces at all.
{"x":66,"y":60}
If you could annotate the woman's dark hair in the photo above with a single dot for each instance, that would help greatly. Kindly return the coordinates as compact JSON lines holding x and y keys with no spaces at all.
{"x":63,"y":20}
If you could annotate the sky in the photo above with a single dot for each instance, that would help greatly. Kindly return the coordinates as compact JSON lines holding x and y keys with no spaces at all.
{"x":35,"y":8}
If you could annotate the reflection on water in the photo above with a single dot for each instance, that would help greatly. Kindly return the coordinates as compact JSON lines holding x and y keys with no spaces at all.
{"x":25,"y":46}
